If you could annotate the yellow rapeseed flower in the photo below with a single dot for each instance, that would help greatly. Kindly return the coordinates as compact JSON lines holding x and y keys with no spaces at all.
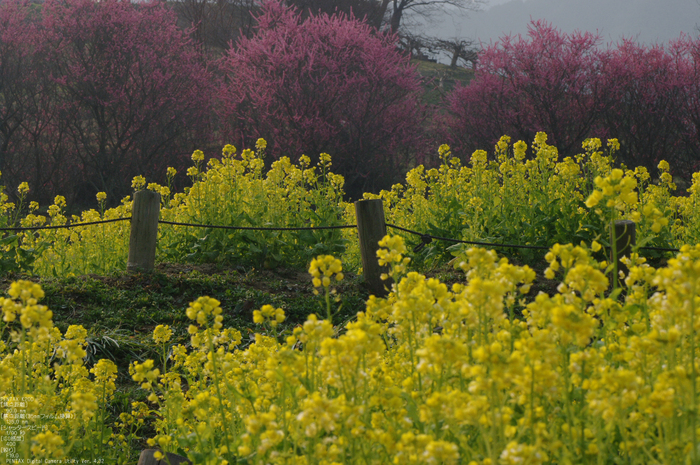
{"x":228,"y":150}
{"x":144,"y":373}
{"x":444,"y":151}
{"x":47,"y":445}
{"x":390,"y":253}
{"x":618,"y":189}
{"x":162,"y":334}
{"x":197,"y":156}
{"x":202,"y":309}
{"x":269,"y":313}
{"x":479,"y":157}
{"x":323,"y":268}
{"x":138,"y":182}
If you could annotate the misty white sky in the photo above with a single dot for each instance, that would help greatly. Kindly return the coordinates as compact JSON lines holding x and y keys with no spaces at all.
{"x":647,"y":21}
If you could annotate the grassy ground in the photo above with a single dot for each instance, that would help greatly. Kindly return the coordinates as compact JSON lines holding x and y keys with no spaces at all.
{"x":121,"y":310}
{"x":433,"y":72}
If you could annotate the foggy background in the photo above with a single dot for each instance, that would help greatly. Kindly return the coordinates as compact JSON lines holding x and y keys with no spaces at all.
{"x":646,"y":21}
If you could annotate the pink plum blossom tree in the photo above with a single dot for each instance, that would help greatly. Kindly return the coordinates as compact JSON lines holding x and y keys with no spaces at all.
{"x":571,"y":88}
{"x":643,"y":87}
{"x":324,"y":84}
{"x":545,"y":82}
{"x":31,"y":123}
{"x":134,"y":92}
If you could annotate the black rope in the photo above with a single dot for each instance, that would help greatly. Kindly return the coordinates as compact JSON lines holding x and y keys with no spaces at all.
{"x":424,"y":237}
{"x":252,"y":228}
{"x":64,"y":226}
{"x":663,"y":249}
{"x":427,"y":239}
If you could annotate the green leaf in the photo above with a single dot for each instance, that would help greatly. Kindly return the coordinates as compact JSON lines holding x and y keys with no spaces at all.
{"x":615,"y":294}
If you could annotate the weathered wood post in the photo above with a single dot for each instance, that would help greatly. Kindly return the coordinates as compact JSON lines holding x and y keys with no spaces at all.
{"x":144,"y":231}
{"x":371,"y":228}
{"x":147,"y":458}
{"x":625,"y":239}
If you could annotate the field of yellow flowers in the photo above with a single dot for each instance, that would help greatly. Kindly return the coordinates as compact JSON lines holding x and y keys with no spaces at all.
{"x":523,"y":195}
{"x":603,"y":371}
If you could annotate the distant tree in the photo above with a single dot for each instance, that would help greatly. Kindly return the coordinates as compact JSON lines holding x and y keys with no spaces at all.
{"x":645,"y":96}
{"x":568,"y":87}
{"x":399,"y":8}
{"x":15,"y":56}
{"x":381,"y":13}
{"x":32,"y":121}
{"x":134,"y":93}
{"x":422,"y":46}
{"x":548,"y":82}
{"x":216,"y":23}
{"x":324,"y":84}
{"x":685,"y":53}
{"x":457,"y":49}
{"x":416,"y":45}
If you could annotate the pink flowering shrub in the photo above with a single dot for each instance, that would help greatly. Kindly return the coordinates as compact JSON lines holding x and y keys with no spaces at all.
{"x":644,"y":90}
{"x":324,"y":84}
{"x":572,"y":88}
{"x":545,"y":83}
{"x":136,"y":92}
{"x":686,"y":64}
{"x":31,"y":124}
{"x":94,"y":93}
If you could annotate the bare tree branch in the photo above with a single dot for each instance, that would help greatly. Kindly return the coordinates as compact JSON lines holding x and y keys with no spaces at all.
{"x":464,"y":49}
{"x":426,"y":7}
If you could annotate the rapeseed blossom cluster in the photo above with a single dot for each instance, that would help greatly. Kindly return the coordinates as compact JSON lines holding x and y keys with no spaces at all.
{"x":617,"y":190}
{"x":232,"y":190}
{"x":162,"y":334}
{"x":530,"y":186}
{"x":323,"y":269}
{"x":521,"y":194}
{"x":468,"y":373}
{"x":436,"y":374}
{"x":391,"y":253}
{"x":205,"y":309}
{"x":46,"y":391}
{"x":138,"y":183}
{"x":429,"y":374}
{"x":270,"y":314}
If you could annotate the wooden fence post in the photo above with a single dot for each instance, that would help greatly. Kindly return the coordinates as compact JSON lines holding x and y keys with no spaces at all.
{"x":144,"y":231}
{"x":625,"y":239}
{"x":371,"y":228}
{"x":147,"y":458}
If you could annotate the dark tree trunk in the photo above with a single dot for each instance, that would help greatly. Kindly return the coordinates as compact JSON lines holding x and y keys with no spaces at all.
{"x":396,"y":15}
{"x":455,"y":57}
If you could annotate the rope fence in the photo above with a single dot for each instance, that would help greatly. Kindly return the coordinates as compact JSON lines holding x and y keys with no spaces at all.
{"x":65,"y":226}
{"x":428,"y":238}
{"x":371,"y":226}
{"x":255,"y":228}
{"x":661,"y":249}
